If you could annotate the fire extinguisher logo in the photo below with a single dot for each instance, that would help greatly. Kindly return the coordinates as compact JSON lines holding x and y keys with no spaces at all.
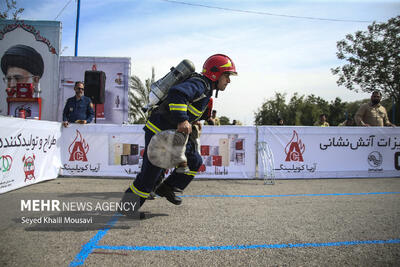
{"x":295,"y":148}
{"x":78,"y":148}
{"x":29,"y":167}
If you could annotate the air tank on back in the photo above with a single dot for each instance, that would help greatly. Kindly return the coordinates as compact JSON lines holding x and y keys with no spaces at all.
{"x":159,"y":89}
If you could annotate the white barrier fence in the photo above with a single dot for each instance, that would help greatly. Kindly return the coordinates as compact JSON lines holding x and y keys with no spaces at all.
{"x":111,"y":150}
{"x":29,"y":152}
{"x":333,"y":152}
{"x":32,"y":151}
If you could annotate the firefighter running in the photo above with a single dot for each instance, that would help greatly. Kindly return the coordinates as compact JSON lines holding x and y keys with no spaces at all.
{"x":181,"y":111}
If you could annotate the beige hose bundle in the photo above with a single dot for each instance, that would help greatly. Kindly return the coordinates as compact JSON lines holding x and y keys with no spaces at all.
{"x":167,"y":149}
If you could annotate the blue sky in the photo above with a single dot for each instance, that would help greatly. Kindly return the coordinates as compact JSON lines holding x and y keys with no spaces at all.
{"x":271,"y":53}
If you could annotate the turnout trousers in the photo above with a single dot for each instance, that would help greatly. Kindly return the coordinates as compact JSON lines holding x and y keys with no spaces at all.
{"x":147,"y":178}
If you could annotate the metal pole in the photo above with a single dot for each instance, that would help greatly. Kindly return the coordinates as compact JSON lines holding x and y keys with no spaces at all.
{"x":77,"y":27}
{"x":393,"y":111}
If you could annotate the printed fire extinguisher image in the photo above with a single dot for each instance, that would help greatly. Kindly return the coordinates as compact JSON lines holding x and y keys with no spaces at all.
{"x":23,"y":112}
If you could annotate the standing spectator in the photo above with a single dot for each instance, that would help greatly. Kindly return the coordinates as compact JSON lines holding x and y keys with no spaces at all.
{"x":213,"y":120}
{"x":279,"y":122}
{"x":372,"y":113}
{"x":322,"y":121}
{"x":79,"y":108}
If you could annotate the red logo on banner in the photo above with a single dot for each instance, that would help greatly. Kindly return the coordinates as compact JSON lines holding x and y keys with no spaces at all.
{"x":29,"y":167}
{"x":294,"y":149}
{"x":78,"y":149}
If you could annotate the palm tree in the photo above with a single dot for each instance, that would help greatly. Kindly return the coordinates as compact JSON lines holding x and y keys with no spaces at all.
{"x":138,"y":96}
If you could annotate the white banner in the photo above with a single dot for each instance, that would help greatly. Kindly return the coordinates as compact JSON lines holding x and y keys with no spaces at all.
{"x":333,"y":152}
{"x":228,"y":152}
{"x":33,"y":151}
{"x":111,"y":150}
{"x":29,"y":152}
{"x":102,"y":150}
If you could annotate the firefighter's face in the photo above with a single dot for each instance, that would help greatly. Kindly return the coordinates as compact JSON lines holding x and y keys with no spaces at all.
{"x":223,"y":81}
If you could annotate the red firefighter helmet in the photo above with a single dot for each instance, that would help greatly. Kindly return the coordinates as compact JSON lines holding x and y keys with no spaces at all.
{"x":216,"y":65}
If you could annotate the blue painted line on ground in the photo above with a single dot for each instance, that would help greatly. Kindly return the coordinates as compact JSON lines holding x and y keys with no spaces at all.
{"x":243,"y":247}
{"x":90,"y":246}
{"x":299,"y":195}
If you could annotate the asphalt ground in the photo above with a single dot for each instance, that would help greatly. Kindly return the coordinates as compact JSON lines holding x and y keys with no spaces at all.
{"x":318,"y":222}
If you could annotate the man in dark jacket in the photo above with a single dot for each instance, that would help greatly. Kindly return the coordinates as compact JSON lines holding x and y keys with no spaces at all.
{"x":79,"y":108}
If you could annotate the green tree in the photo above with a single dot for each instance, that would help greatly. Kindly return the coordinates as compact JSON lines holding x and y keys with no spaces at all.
{"x":305,"y":110}
{"x":138,"y":96}
{"x":223,"y":120}
{"x":373,"y":59}
{"x":337,"y":112}
{"x":271,"y":110}
{"x":10,"y":9}
{"x":388,"y":104}
{"x":312,"y":108}
{"x":295,"y":107}
{"x":301,"y":110}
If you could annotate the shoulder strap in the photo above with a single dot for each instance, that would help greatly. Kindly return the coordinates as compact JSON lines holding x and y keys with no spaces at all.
{"x":199,"y":98}
{"x":199,"y":77}
{"x":163,"y":107}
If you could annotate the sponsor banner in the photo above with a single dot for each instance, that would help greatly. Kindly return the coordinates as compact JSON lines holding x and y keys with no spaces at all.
{"x":228,"y":152}
{"x":117,"y":151}
{"x":102,"y":150}
{"x":333,"y":152}
{"x":32,"y":151}
{"x":29,"y":152}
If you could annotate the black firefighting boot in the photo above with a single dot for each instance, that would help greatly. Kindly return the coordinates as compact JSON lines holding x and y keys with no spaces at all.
{"x":168,"y":192}
{"x":152,"y":196}
{"x":130,"y":204}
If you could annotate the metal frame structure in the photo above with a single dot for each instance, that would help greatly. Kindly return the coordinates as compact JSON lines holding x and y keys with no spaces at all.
{"x":266,"y":160}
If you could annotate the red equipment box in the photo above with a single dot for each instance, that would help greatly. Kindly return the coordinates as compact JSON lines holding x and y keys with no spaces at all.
{"x":25,"y":90}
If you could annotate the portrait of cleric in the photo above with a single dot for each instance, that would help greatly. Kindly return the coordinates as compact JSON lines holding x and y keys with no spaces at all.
{"x":21,"y":64}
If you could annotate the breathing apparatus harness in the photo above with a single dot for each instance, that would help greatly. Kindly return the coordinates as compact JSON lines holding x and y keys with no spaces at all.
{"x":163,"y":107}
